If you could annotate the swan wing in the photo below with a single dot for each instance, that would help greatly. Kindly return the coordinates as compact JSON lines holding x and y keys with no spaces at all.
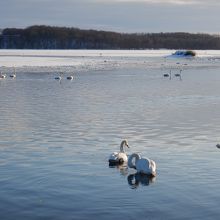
{"x":143,"y":165}
{"x":153,"y":167}
{"x":113,"y":156}
{"x":123,"y":156}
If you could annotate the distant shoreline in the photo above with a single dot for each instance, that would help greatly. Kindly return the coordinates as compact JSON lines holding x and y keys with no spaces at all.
{"x":48,"y":37}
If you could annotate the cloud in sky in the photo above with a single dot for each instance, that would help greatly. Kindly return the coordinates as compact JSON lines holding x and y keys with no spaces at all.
{"x":174,"y":2}
{"x":177,"y":2}
{"x":161,"y":2}
{"x":115,"y":15}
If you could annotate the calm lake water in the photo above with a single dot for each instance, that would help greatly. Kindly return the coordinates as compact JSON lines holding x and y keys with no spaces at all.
{"x":55,"y":140}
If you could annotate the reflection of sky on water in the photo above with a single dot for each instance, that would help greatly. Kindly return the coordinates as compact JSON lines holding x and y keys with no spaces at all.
{"x":55,"y":140}
{"x":123,"y":169}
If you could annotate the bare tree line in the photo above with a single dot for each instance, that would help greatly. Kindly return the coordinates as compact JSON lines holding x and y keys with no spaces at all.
{"x":47,"y":37}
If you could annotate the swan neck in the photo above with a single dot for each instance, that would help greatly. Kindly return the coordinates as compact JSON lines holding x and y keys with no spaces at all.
{"x":122,"y":147}
{"x":132,"y":161}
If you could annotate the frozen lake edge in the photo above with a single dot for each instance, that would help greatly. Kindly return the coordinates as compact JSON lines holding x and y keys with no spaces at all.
{"x":86,"y":60}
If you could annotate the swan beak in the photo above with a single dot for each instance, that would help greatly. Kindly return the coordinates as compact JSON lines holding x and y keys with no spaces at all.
{"x":127,"y":146}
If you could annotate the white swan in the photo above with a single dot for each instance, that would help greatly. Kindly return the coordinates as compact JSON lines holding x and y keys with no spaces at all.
{"x":142,"y":165}
{"x":168,"y":75}
{"x":119,"y":157}
{"x":179,"y":74}
{"x":13,"y":75}
{"x":3,"y":76}
{"x":69,"y":77}
{"x":59,"y":77}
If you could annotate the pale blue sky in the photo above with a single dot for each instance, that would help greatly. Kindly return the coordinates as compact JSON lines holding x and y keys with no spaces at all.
{"x":116,"y":15}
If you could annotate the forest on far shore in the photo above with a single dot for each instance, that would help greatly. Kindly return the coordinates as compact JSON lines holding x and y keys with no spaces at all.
{"x":47,"y":37}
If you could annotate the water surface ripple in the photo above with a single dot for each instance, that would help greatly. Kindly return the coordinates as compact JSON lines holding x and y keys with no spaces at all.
{"x":55,"y":139}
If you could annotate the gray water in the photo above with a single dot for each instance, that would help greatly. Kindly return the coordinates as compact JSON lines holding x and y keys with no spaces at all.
{"x":55,"y":139}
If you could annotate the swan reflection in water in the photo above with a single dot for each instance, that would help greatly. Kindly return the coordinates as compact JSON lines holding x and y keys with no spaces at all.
{"x":123,"y":169}
{"x":137,"y":179}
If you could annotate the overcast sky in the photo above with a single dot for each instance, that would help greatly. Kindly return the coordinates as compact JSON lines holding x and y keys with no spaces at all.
{"x":115,"y":15}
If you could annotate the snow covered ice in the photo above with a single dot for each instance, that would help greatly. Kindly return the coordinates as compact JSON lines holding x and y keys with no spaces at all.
{"x":86,"y":60}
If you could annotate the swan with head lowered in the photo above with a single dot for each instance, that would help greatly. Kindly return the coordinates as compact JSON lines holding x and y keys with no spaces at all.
{"x":119,"y":157}
{"x":142,"y":165}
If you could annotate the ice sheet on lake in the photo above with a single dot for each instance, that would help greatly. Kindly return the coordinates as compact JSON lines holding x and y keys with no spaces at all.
{"x":85,"y":60}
